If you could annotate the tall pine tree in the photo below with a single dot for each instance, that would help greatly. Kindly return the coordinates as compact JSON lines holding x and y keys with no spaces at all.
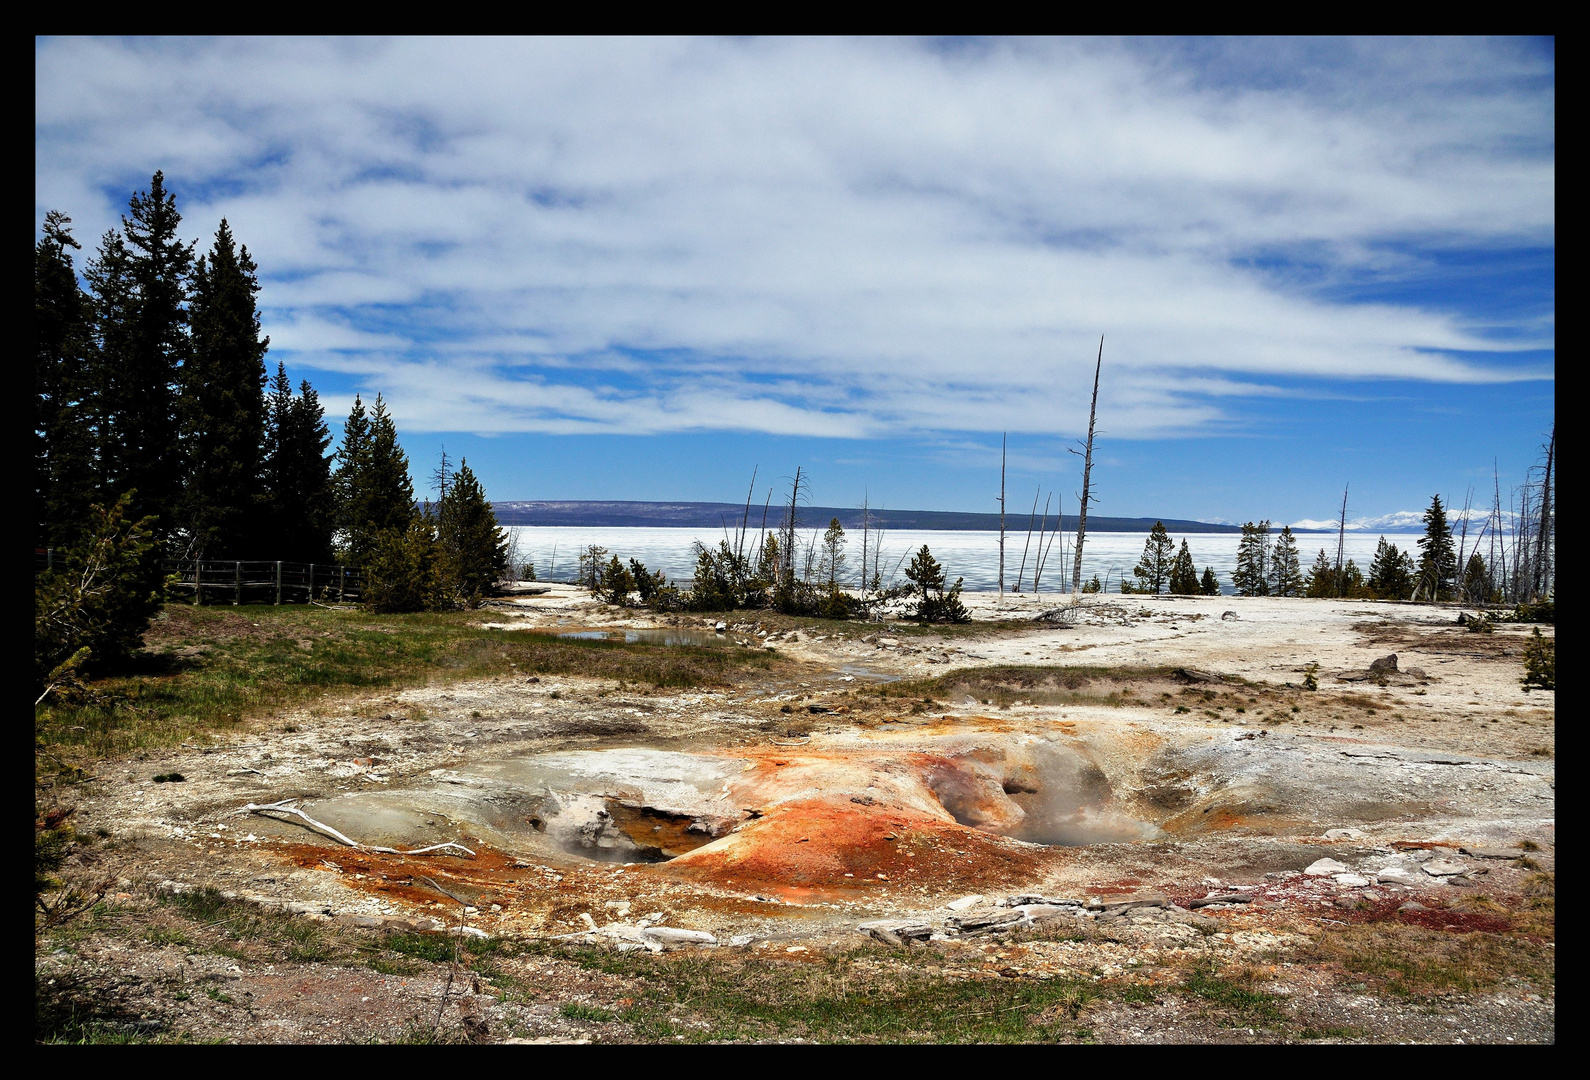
{"x":1322,"y":580}
{"x":1183,"y":573}
{"x":223,"y":407}
{"x":63,"y":398}
{"x":297,"y":473}
{"x":144,"y":344}
{"x":474,"y":549}
{"x":1252,"y":577}
{"x":375,"y":492}
{"x":1153,"y":569}
{"x":1437,"y":559}
{"x":1286,"y":574}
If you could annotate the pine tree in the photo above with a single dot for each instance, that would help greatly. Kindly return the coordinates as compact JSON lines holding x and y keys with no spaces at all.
{"x":1153,"y":569}
{"x":1209,"y":585}
{"x":347,"y":485}
{"x":400,"y":568}
{"x":1477,"y":588}
{"x":143,"y":353}
{"x":1183,"y":573}
{"x":1251,"y":576}
{"x":935,"y":603}
{"x":223,"y":406}
{"x":1353,"y":585}
{"x":474,"y":549}
{"x":1286,"y":576}
{"x":833,"y":556}
{"x":375,"y":490}
{"x":297,"y":473}
{"x":1322,"y":578}
{"x":1389,"y":576}
{"x":63,"y":397}
{"x":1437,"y":560}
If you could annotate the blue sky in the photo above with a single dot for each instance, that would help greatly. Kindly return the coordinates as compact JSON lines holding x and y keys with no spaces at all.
{"x":636,"y":268}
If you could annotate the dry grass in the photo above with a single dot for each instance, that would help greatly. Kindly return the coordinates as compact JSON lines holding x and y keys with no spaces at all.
{"x":206,"y":669}
{"x":1414,"y":961}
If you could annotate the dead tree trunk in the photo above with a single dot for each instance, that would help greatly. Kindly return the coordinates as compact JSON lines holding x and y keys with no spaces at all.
{"x":1087,"y":473}
{"x":1341,"y":545}
{"x":1002,"y":517}
{"x":1542,"y":572}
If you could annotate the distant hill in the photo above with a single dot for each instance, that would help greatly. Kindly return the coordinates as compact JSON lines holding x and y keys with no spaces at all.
{"x":698,"y":515}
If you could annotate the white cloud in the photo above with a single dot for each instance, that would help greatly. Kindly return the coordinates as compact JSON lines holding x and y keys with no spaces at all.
{"x":833,"y":237}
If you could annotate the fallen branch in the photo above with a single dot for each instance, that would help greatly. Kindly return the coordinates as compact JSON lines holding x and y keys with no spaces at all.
{"x":285,"y":807}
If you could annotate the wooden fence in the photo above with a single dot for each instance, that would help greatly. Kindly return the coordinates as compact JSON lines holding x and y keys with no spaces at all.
{"x":257,"y":581}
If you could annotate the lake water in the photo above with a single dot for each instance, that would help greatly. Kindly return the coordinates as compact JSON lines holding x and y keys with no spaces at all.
{"x":971,"y":555}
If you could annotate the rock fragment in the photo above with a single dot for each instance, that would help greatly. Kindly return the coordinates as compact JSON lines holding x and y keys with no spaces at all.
{"x":1325,"y":868}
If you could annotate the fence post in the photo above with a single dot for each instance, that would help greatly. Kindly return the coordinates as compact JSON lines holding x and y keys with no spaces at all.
{"x":237,"y":581}
{"x":198,"y":580}
{"x":278,"y":581}
{"x":342,"y":580}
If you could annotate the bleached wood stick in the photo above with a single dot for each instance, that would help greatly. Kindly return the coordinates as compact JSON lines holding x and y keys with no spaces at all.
{"x":282,"y":807}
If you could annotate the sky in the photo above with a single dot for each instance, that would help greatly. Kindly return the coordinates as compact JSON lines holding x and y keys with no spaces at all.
{"x":640,"y":268}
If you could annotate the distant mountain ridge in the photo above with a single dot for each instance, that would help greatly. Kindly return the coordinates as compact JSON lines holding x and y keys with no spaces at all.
{"x":714,"y":515}
{"x":1403,"y":521}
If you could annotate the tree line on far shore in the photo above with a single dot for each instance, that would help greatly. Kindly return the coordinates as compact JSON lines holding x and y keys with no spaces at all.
{"x":157,"y":436}
{"x":1273,"y":569}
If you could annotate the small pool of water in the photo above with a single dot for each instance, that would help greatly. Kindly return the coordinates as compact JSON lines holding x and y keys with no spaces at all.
{"x":666,"y":636}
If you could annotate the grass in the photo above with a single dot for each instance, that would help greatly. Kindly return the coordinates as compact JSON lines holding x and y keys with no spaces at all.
{"x":863,"y":995}
{"x":1233,"y":994}
{"x":208,"y":669}
{"x":1415,"y":962}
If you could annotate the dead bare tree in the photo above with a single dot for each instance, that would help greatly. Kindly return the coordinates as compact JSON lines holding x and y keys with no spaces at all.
{"x":1002,"y":441}
{"x":1341,"y":546}
{"x":1541,"y":579}
{"x":1043,"y":552}
{"x":1031,"y":519}
{"x":1087,"y":472}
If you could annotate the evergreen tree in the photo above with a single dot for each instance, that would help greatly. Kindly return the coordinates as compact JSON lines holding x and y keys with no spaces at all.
{"x":832,"y":563}
{"x":1390,"y":573}
{"x":400,"y":568}
{"x":144,"y":347}
{"x":1322,"y":578}
{"x":223,"y":406}
{"x":1286,"y":575}
{"x":376,"y":491}
{"x":1353,"y":584}
{"x":1183,"y":573}
{"x":297,"y":473}
{"x":1209,"y":585}
{"x":1153,"y":569}
{"x":1477,"y":588}
{"x":1252,"y":577}
{"x":934,"y":603}
{"x":63,"y":398}
{"x":1437,"y":560}
{"x":474,"y":549}
{"x":346,"y":484}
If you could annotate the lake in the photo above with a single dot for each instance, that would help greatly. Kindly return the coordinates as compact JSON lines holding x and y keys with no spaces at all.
{"x":971,"y":555}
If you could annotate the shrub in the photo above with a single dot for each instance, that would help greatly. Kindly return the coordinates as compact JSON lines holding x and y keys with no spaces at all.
{"x":93,"y":611}
{"x":1540,"y":662}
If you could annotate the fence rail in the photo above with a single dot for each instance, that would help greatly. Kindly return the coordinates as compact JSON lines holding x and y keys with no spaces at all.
{"x":261,"y":581}
{"x":236,"y":581}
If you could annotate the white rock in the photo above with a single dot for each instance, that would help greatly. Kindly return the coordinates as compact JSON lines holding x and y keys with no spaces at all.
{"x":972,"y":901}
{"x":1325,"y":868}
{"x":668,"y":936}
{"x":1443,"y":868}
{"x":1351,"y":881}
{"x":1399,"y":875}
{"x":1344,"y":834}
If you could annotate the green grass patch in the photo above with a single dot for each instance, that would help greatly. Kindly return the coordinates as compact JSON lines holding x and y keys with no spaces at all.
{"x":1416,"y":962}
{"x":207,"y":669}
{"x":866,"y":995}
{"x":1233,"y":994}
{"x":577,"y":1011}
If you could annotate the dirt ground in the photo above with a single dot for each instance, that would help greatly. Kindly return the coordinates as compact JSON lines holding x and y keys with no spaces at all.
{"x":1158,"y":751}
